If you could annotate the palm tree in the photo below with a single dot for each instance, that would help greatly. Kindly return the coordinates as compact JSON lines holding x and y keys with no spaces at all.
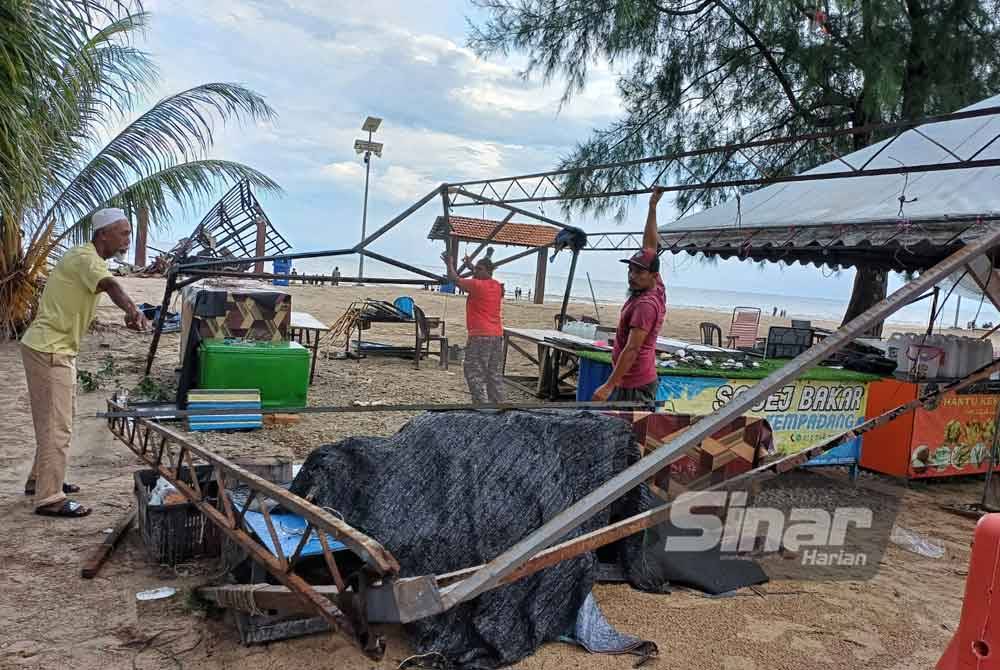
{"x":71,"y":73}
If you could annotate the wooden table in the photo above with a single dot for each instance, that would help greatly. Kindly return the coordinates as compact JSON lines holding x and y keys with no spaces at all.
{"x":365,"y":323}
{"x":550,"y":357}
{"x":307,"y":330}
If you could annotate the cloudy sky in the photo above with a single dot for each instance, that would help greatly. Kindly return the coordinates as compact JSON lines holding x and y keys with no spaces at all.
{"x":448,"y":115}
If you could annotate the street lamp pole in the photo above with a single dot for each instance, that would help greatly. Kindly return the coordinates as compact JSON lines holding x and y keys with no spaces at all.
{"x":364,"y":211}
{"x":371,"y":124}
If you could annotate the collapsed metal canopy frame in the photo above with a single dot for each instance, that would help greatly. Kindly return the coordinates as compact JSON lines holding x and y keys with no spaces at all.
{"x":229,"y":229}
{"x":380,"y":596}
{"x":507,"y":192}
{"x":896,"y":243}
{"x":539,"y":548}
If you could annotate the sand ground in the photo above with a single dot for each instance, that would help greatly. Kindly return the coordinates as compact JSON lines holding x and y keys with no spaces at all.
{"x":50,"y":618}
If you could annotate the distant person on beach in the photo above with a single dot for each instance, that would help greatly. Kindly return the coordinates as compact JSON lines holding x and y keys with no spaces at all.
{"x":775,"y":312}
{"x":335,"y":276}
{"x":484,"y":349}
{"x":633,"y":358}
{"x":50,"y":346}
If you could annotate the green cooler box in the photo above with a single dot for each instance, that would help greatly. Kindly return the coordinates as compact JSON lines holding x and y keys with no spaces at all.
{"x":279,"y":369}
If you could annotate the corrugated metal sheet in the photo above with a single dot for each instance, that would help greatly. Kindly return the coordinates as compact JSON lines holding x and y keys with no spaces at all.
{"x":896,"y":246}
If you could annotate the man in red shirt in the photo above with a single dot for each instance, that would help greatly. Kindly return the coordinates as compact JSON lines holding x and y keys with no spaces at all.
{"x":633,"y":374}
{"x":484,"y":349}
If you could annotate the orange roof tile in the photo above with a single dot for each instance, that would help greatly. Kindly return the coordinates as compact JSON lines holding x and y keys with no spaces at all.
{"x":477,"y":230}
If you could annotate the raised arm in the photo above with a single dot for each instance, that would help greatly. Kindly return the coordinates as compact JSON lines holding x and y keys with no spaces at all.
{"x":450,"y":267}
{"x":134,"y":318}
{"x":651,"y":236}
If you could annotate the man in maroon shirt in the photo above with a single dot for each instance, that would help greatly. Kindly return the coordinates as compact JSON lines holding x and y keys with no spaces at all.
{"x":633,"y":374}
{"x":484,"y":349}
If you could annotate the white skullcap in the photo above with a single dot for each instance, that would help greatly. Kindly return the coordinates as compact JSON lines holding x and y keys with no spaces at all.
{"x":105,"y":217}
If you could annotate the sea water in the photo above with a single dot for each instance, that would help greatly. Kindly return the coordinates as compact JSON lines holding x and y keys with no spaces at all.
{"x":613,"y":292}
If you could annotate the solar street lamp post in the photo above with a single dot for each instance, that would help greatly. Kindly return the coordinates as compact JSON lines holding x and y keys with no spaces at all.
{"x":367,"y":148}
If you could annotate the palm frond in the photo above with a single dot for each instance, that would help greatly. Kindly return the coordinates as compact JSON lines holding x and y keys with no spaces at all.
{"x":38,"y":38}
{"x":107,"y":73}
{"x":177,"y":129}
{"x":100,"y":83}
{"x":179,"y":186}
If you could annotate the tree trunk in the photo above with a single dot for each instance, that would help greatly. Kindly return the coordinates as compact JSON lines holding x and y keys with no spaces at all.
{"x":141,"y":232}
{"x":870,"y":286}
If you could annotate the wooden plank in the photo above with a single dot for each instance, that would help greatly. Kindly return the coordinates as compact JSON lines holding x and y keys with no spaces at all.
{"x":92,"y":565}
{"x":281,"y":419}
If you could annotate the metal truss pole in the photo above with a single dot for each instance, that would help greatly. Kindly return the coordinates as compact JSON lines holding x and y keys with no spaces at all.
{"x":512,"y":189}
{"x":495,"y":571}
{"x":173,"y":457}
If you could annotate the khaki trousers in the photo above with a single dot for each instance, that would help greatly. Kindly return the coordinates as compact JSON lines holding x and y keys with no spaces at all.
{"x":52,"y":389}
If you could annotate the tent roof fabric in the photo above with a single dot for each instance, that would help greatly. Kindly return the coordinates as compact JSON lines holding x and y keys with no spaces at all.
{"x":477,"y":230}
{"x":846,"y":221}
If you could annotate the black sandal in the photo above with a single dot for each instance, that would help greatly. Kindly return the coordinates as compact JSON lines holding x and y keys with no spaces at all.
{"x":67,"y":508}
{"x":29,"y":488}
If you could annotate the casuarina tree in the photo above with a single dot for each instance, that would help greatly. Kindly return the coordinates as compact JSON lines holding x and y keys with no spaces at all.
{"x":700,"y":73}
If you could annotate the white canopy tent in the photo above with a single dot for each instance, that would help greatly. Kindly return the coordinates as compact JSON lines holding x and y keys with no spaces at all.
{"x":899,"y":221}
{"x":931,"y":196}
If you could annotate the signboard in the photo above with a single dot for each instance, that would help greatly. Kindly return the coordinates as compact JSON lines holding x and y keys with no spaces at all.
{"x":955,"y":438}
{"x":800,"y":413}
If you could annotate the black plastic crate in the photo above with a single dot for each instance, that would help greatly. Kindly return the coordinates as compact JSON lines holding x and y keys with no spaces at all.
{"x":175,"y":533}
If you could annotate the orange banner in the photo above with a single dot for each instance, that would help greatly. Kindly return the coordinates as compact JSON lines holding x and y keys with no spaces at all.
{"x":954,"y":439}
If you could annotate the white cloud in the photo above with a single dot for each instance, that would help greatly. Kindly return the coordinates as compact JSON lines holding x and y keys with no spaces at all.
{"x":448,"y":115}
{"x":342,"y":172}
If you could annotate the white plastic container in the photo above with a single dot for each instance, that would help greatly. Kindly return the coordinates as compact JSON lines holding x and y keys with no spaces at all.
{"x":986,"y":357}
{"x":925,"y":360}
{"x":952,"y":363}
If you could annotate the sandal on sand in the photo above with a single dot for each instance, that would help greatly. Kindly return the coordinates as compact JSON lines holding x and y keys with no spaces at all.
{"x":66,"y":508}
{"x":29,"y":488}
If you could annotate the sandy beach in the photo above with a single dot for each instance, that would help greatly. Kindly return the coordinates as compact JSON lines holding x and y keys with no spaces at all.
{"x":50,"y":618}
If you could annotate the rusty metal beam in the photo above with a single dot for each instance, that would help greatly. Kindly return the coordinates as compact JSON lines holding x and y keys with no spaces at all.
{"x":137,"y":435}
{"x":621,"y":529}
{"x":379,"y":560}
{"x":555,"y":529}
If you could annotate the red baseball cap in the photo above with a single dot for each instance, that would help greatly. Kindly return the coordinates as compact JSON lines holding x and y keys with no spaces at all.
{"x":645,"y":259}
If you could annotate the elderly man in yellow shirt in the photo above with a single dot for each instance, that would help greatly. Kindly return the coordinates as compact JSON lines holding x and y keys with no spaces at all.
{"x":49,"y":348}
